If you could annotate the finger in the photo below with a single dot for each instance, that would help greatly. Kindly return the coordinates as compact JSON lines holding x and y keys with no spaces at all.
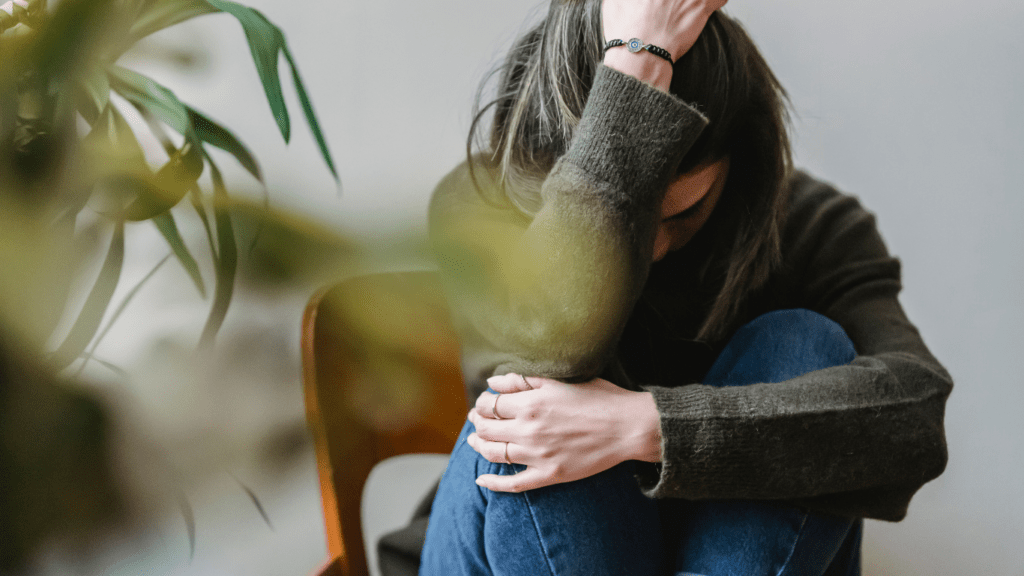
{"x":528,"y":479}
{"x":493,"y":430}
{"x":511,"y":383}
{"x":497,"y":406}
{"x":495,"y":451}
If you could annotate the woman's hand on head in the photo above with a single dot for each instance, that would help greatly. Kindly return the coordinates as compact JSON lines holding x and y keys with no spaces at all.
{"x":561,"y":432}
{"x":670,"y":24}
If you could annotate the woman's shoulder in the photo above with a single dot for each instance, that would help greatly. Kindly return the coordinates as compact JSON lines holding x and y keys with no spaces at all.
{"x":827,"y":230}
{"x":818,"y":207}
{"x":809,"y":193}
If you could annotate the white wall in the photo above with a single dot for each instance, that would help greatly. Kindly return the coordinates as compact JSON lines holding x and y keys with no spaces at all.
{"x":913,"y":106}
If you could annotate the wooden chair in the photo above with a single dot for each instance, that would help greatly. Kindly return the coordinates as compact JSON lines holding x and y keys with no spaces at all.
{"x":381,"y":378}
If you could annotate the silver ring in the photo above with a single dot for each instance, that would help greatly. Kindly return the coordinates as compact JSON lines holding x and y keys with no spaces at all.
{"x":494,"y":409}
{"x":525,"y":382}
{"x":506,"y":454}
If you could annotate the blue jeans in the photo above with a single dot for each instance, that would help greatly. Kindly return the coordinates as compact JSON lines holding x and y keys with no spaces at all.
{"x":604,"y":526}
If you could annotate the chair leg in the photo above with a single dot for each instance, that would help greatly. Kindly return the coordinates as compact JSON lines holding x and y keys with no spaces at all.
{"x":335,"y":567}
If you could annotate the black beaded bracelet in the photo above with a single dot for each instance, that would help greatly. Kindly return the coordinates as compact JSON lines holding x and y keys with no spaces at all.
{"x":636,"y":45}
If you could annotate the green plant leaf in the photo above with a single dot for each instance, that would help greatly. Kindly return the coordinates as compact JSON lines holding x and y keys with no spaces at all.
{"x":112,"y":367}
{"x":110,"y":152}
{"x":265,"y":42}
{"x":307,"y":109}
{"x":92,"y":93}
{"x":227,"y":263}
{"x":212,"y":133}
{"x":95,"y":304}
{"x":169,"y":229}
{"x":117,"y":314}
{"x":72,"y":36}
{"x":197,"y":204}
{"x":160,"y":14}
{"x":255,"y":502}
{"x":162,"y":191}
{"x":143,"y":91}
{"x":190,"y":524}
{"x":112,"y":142}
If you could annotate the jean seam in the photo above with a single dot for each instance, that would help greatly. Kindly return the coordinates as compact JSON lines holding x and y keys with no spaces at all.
{"x":540,"y":540}
{"x":799,"y":533}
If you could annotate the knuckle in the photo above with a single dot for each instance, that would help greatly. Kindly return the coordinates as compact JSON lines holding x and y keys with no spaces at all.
{"x":530,"y":410}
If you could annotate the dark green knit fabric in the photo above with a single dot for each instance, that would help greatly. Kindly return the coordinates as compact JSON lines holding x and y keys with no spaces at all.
{"x":572,"y":294}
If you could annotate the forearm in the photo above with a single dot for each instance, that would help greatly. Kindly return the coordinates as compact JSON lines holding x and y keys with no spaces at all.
{"x":642,"y":65}
{"x":841,"y":429}
{"x":549,"y":295}
{"x":856,"y":439}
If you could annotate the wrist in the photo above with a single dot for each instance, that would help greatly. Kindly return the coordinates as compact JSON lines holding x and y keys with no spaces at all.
{"x":645,"y":435}
{"x":642,"y":65}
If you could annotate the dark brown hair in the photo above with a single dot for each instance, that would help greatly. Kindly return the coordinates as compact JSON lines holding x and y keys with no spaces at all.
{"x":543,"y":87}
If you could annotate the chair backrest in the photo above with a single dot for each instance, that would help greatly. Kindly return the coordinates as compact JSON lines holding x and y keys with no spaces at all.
{"x":381,"y":377}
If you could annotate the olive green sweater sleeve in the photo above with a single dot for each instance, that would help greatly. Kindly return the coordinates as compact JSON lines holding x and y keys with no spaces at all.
{"x":854,"y":440}
{"x":549,"y":295}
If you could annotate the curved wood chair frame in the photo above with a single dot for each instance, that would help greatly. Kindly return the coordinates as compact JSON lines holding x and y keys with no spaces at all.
{"x":381,"y":378}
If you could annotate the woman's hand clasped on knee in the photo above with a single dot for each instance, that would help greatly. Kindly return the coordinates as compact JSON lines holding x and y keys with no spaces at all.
{"x":561,"y":432}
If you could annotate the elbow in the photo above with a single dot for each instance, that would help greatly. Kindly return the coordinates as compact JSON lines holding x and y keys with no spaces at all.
{"x":562,"y":357}
{"x":933,"y":459}
{"x":562,"y":344}
{"x":926,"y":447}
{"x":930,"y":452}
{"x":936,"y":452}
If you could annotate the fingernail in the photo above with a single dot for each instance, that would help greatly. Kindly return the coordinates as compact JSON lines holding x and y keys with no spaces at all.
{"x":479,"y":482}
{"x":492,"y":380}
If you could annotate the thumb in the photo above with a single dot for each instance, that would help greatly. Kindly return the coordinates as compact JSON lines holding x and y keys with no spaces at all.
{"x":512,"y":382}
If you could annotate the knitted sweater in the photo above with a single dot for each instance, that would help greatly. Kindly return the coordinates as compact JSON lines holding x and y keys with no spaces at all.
{"x":571,"y":294}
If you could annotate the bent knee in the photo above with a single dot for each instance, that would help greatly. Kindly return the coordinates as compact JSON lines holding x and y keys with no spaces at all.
{"x":780,"y":345}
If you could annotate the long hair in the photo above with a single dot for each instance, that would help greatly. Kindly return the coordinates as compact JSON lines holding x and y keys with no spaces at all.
{"x":543,"y":88}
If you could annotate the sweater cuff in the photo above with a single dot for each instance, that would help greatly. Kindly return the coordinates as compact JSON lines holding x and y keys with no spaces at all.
{"x":681,"y":412}
{"x":699,"y":445}
{"x":632,"y":135}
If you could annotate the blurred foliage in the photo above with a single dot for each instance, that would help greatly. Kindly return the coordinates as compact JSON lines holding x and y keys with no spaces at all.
{"x":54,"y":450}
{"x":59,"y":69}
{"x":73,"y":176}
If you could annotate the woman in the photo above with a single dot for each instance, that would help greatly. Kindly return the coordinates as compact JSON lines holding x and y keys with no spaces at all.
{"x":697,"y":360}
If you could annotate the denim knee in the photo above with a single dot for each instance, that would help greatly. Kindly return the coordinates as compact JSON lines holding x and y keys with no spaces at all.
{"x":780,"y":345}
